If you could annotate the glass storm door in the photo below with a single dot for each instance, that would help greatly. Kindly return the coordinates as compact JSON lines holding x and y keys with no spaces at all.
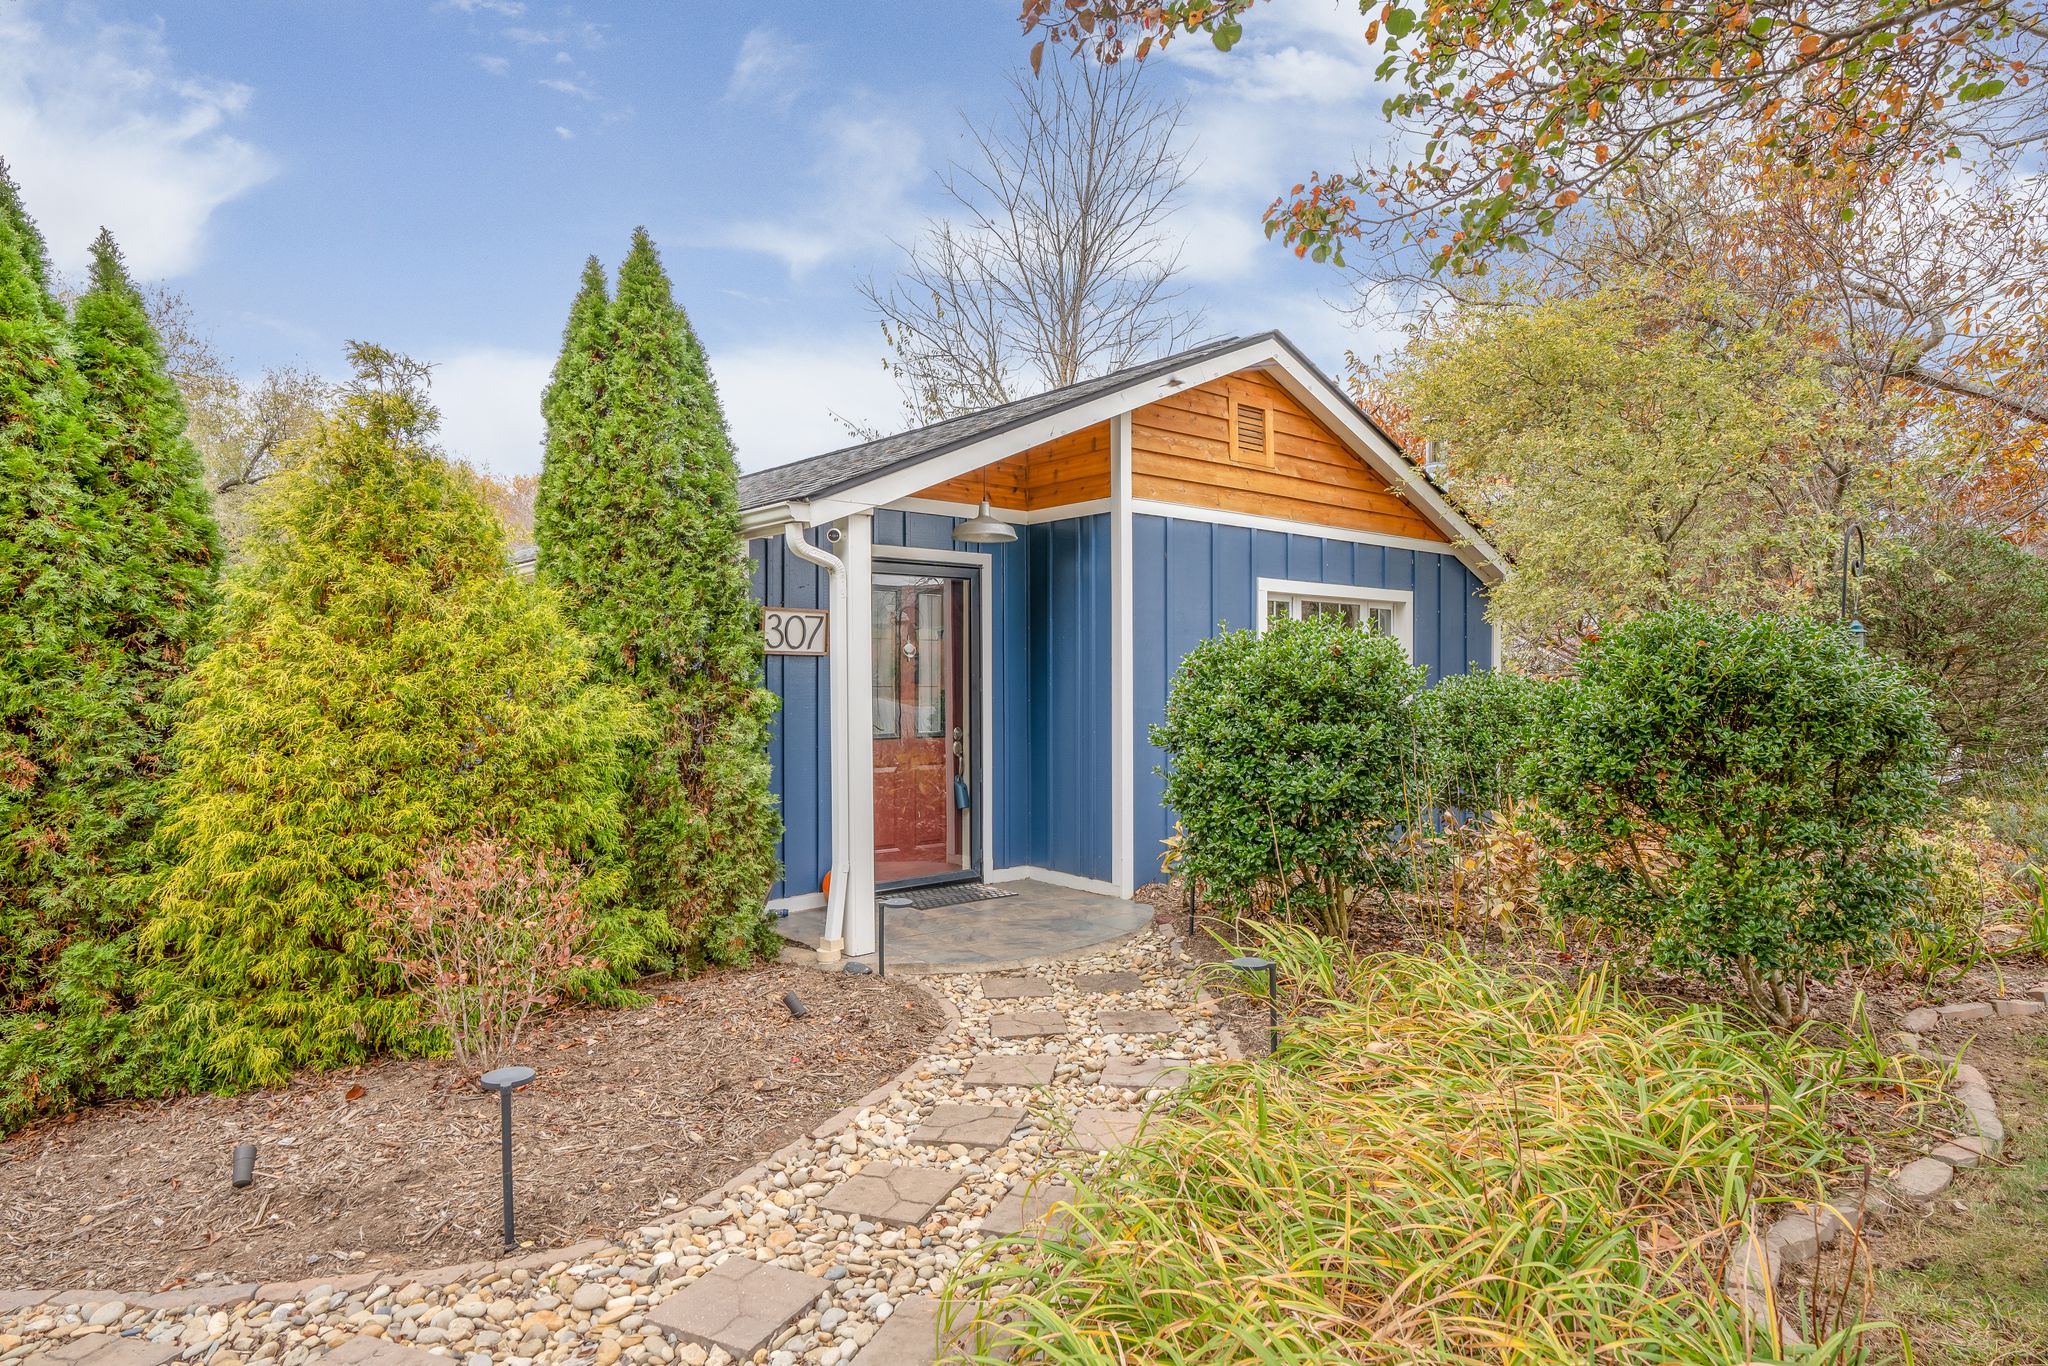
{"x":922,"y":803}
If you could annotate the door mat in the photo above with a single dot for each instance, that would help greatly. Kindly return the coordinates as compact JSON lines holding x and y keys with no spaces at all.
{"x":948,"y":894}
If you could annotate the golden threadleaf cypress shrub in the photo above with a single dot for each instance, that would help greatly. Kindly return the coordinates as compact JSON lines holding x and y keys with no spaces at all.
{"x":380,"y":684}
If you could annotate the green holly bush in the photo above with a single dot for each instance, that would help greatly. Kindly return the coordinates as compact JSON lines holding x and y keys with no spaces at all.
{"x":1737,"y":794}
{"x":1472,"y":732}
{"x":637,"y":520}
{"x":1288,"y":757}
{"x":379,"y":684}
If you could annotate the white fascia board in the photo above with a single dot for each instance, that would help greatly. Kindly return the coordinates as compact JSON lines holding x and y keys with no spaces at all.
{"x":1313,"y":390}
{"x":886,"y":489}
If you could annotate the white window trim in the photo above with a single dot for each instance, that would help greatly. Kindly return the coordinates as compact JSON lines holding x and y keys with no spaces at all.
{"x":1400,"y":600}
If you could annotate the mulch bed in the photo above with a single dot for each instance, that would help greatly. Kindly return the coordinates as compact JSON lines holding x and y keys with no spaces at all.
{"x":395,"y":1165}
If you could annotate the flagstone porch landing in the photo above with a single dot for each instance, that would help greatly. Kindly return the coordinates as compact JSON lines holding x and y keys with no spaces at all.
{"x":1040,"y":923}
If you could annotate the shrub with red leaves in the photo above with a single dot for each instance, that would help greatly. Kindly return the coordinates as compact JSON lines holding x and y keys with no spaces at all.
{"x":485,"y":935}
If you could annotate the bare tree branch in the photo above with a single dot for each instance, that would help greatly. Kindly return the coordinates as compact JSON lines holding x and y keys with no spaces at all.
{"x":1059,"y":263}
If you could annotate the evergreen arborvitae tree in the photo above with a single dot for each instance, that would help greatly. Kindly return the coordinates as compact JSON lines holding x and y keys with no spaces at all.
{"x":638,"y":522}
{"x":380,"y":682}
{"x":108,"y":576}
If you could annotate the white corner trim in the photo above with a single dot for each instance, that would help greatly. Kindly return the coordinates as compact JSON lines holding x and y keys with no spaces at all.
{"x":1188,"y":513}
{"x":1026,"y":871}
{"x":852,"y":717}
{"x":1402,"y":600}
{"x":1121,"y":707}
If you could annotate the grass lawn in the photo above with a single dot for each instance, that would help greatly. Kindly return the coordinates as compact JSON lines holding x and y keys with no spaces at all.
{"x":1973,"y":1289}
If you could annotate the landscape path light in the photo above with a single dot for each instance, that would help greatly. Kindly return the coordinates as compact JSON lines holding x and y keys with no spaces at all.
{"x":506,"y":1080}
{"x":901,"y":903}
{"x":1251,"y":963}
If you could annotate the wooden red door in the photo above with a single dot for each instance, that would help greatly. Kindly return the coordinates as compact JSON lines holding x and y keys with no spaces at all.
{"x":919,"y":730}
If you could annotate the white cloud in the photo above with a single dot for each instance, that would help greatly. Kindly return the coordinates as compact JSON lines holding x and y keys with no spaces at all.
{"x":564,"y":134}
{"x":101,"y":128}
{"x":774,"y":419}
{"x":1296,"y":95}
{"x":489,"y":398}
{"x":497,"y":66}
{"x":769,"y":69}
{"x":567,"y":87}
{"x":855,"y":198}
{"x":502,"y":9}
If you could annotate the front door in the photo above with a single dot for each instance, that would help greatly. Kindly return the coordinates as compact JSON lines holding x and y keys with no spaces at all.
{"x":923,"y":781}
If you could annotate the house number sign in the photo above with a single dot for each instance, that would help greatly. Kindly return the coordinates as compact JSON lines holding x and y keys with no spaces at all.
{"x":794,"y":630}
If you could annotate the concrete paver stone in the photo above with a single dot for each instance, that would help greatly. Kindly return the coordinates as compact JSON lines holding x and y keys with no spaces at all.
{"x":379,"y":1352}
{"x":1027,"y":1024}
{"x":1142,"y":1074}
{"x":893,"y":1193}
{"x":739,"y":1305}
{"x":104,"y":1349}
{"x":1015,"y":988}
{"x":1136,"y":1022}
{"x":909,"y":1338}
{"x":1097,"y":1130}
{"x":975,"y":1126}
{"x":1033,"y":1205}
{"x":1012,"y":1069}
{"x":1108,"y":983}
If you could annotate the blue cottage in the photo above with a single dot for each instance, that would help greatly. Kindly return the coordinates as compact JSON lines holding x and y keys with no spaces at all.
{"x":972,"y":626}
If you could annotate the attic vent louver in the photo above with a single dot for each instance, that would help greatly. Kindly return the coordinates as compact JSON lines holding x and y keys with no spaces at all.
{"x":1251,"y":429}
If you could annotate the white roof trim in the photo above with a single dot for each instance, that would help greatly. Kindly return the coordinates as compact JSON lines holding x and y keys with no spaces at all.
{"x":1272,"y":353}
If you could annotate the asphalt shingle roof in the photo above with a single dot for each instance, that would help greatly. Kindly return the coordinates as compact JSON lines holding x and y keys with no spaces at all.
{"x":818,"y":475}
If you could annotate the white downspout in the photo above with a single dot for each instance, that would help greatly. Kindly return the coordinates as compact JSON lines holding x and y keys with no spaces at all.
{"x":833,"y":946}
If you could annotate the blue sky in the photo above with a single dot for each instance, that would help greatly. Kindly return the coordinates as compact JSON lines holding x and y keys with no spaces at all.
{"x":430,"y":174}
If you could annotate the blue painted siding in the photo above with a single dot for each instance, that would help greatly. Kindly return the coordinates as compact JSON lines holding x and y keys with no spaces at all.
{"x":1049,"y":697}
{"x":1068,"y":667}
{"x":1191,"y":579}
{"x":800,"y":737}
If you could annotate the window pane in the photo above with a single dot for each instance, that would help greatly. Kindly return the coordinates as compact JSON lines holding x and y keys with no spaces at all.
{"x":888,"y":646}
{"x":931,"y":659}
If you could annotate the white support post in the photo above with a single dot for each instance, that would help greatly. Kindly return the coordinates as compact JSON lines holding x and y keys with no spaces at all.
{"x":1122,"y":758}
{"x":855,"y":714}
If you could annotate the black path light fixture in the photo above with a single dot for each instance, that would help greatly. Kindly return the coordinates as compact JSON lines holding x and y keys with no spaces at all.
{"x":506,"y":1080}
{"x":1852,"y":570}
{"x":244,"y":1173}
{"x":1253,"y":963}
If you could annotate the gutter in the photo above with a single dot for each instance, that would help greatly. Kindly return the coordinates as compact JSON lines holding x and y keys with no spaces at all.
{"x":833,"y":945}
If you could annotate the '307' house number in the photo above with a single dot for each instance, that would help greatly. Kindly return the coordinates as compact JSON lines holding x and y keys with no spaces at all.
{"x":794,"y":630}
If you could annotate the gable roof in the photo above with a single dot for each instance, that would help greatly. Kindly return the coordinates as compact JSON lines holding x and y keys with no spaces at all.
{"x":876,"y":472}
{"x":818,"y":475}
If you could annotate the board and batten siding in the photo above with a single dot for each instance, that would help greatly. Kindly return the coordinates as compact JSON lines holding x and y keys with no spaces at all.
{"x":1192,"y":579}
{"x":1048,"y":620}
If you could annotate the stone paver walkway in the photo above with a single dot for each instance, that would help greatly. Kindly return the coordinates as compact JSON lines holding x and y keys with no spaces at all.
{"x":808,"y":1260}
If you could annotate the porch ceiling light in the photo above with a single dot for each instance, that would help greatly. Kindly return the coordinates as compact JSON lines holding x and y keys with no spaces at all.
{"x":984,"y":527}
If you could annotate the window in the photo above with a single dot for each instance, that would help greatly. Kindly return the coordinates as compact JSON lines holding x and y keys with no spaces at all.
{"x":1385,"y":611}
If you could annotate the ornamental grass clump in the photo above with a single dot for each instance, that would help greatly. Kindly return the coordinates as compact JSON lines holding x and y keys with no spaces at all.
{"x":1443,"y":1163}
